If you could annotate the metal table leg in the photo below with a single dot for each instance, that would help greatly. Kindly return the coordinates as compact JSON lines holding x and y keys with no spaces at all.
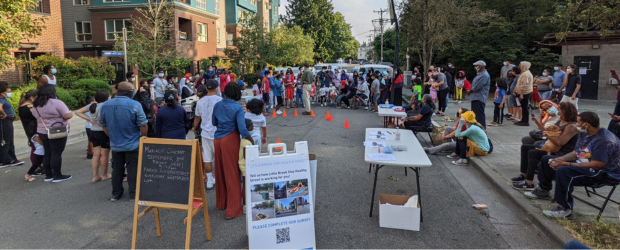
{"x":369,"y":167}
{"x":417,"y":177}
{"x":374,"y":188}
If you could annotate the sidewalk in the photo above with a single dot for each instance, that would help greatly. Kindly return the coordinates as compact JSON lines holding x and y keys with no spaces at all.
{"x":503,"y":164}
{"x":77,"y":132}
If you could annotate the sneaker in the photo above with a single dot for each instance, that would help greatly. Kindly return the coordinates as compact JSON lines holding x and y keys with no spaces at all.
{"x":519,"y":178}
{"x":61,"y":178}
{"x":115,"y":198}
{"x":16,"y":163}
{"x":538,"y":194}
{"x":523,"y":186}
{"x":4,"y":165}
{"x":453,"y":156}
{"x":460,"y":162}
{"x":210,"y":184}
{"x":366,"y":108}
{"x":49,"y":179}
{"x":559,"y":212}
{"x":279,"y":112}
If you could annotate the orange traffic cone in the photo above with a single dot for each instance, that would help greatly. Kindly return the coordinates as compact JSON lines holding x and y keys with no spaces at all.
{"x":274,"y":114}
{"x":346,"y":123}
{"x":311,"y":113}
{"x":327,"y":115}
{"x":284,"y":113}
{"x":295,"y":112}
{"x":278,"y":142}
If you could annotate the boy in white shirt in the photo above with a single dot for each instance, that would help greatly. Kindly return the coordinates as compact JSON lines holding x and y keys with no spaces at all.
{"x":204,"y":112}
{"x":322,"y":96}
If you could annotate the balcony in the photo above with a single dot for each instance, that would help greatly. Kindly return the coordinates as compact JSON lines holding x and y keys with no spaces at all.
{"x":229,"y":43}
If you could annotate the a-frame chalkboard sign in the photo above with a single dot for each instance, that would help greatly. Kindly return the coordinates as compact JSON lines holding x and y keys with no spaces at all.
{"x":170,"y":176}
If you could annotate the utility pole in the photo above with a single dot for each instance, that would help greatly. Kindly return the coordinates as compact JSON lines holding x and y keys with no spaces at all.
{"x":381,"y":22}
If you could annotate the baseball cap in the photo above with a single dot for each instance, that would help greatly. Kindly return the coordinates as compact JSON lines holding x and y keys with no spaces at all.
{"x":212,"y":84}
{"x":202,"y":91}
{"x":480,"y":63}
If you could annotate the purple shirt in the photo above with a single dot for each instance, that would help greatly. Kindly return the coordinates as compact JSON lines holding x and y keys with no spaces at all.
{"x":52,"y":114}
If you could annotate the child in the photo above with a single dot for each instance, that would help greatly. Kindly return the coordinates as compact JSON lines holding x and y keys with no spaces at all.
{"x":461,"y":81}
{"x":244,"y":142}
{"x":332,"y":94}
{"x":500,"y":99}
{"x":254,"y":108}
{"x":37,"y":156}
{"x":89,"y":125}
{"x":433,"y":89}
{"x":313,"y":94}
{"x":289,"y":80}
{"x":417,"y":91}
{"x":535,"y":95}
{"x":323,"y":98}
{"x":299,"y":98}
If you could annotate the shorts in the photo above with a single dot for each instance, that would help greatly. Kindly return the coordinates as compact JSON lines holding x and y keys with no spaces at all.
{"x":363,"y":96}
{"x":510,"y":102}
{"x":208,"y":150}
{"x":376,"y":98}
{"x":279,"y":99}
{"x":266,"y":98}
{"x":89,"y":135}
{"x":100,"y":139}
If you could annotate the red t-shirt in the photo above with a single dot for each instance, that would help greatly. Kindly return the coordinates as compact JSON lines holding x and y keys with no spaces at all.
{"x":265,"y":85}
{"x":223,"y":82}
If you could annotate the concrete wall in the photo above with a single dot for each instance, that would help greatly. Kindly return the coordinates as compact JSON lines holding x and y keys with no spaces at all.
{"x":71,"y":14}
{"x":610,"y":59}
{"x":50,"y":41}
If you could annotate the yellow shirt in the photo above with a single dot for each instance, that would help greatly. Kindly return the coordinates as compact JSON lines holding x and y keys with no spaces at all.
{"x":244,"y":142}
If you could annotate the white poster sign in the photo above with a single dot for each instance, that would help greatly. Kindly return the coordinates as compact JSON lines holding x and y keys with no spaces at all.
{"x":278,"y":197}
{"x":583,"y":71}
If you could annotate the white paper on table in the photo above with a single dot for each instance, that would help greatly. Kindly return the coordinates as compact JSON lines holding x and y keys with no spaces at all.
{"x":382,"y":137}
{"x":382,"y":157}
{"x":369,"y":144}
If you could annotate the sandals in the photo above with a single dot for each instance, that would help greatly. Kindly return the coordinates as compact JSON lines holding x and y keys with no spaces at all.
{"x":96,"y":179}
{"x":109,"y":176}
{"x":29,"y":178}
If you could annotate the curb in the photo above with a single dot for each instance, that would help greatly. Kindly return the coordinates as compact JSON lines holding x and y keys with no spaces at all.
{"x":554,"y":231}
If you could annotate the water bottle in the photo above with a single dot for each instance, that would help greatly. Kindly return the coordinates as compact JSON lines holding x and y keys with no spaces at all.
{"x":397,"y":134}
{"x":387,"y":103}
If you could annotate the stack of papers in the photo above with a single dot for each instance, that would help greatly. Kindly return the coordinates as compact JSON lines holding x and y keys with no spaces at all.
{"x":372,"y":144}
{"x":380,"y":137}
{"x":382,"y":157}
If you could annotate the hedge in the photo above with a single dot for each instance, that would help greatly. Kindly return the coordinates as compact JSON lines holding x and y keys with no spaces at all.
{"x":17,"y":94}
{"x":70,"y":71}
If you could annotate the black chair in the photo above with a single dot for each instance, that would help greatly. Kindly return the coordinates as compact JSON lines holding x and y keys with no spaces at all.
{"x":612,"y":184}
{"x":427,"y":129}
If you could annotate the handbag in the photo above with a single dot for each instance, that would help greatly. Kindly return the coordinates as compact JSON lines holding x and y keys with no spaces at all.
{"x":54,"y":132}
{"x":437,"y":133}
{"x":536,"y":134}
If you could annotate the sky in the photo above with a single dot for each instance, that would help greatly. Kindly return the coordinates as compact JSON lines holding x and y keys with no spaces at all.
{"x":358,"y":13}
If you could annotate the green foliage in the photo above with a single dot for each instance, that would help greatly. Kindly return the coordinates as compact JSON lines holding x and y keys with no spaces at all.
{"x":17,"y":94}
{"x":16,"y":26}
{"x":251,"y":48}
{"x":70,"y":71}
{"x":316,"y":18}
{"x":342,"y":43}
{"x":290,"y":46}
{"x":80,"y":96}
{"x":389,"y":45}
{"x":178,"y":66}
{"x":67,"y":98}
{"x":250,"y":78}
{"x":91,"y":86}
{"x":602,"y":16}
{"x":95,"y":67}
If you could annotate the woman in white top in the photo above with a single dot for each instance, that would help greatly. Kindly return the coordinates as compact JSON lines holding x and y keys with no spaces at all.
{"x":48,"y":76}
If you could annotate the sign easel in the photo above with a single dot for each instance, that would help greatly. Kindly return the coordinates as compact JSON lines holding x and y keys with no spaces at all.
{"x":170,"y":176}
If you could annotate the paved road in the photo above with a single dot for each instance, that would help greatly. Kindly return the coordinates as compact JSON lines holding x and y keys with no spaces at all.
{"x":259,"y":197}
{"x":269,"y":212}
{"x":77,"y":214}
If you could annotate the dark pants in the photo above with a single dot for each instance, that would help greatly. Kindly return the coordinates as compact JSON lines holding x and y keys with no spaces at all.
{"x":530,"y":157}
{"x":525,"y":108}
{"x":7,"y":151}
{"x":398,"y":96}
{"x":498,"y":114}
{"x":120,"y":161}
{"x":52,"y":160}
{"x":441,"y":96}
{"x":567,"y":177}
{"x":461,"y":148}
{"x":36,"y":160}
{"x":478,"y":108}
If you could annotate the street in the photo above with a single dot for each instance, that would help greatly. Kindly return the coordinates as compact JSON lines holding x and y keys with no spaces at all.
{"x":78,"y":214}
{"x":267,"y":211}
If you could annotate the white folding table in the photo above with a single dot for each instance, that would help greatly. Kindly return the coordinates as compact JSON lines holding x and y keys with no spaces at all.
{"x":389,"y":113}
{"x":414,"y":158}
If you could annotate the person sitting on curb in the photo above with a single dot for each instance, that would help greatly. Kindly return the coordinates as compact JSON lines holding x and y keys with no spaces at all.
{"x":472,"y":141}
{"x":448,"y":137}
{"x":596,"y":159}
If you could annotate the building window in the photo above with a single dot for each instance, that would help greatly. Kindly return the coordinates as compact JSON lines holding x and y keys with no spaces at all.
{"x":229,"y":39}
{"x":114,"y":28}
{"x":242,"y":16}
{"x":83,"y":32}
{"x":43,"y":6}
{"x":218,"y":36}
{"x":202,"y":4}
{"x":275,"y":10}
{"x":111,"y":1}
{"x":81,"y":2}
{"x":253,"y":2}
{"x":202,"y":32}
{"x":217,"y":7}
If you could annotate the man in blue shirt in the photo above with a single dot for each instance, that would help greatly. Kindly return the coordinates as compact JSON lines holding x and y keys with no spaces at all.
{"x":558,"y":77}
{"x":479,"y":92}
{"x":596,"y":159}
{"x":209,"y":74}
{"x":123,"y":120}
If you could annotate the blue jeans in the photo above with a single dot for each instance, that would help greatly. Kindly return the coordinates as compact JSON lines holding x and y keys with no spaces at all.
{"x":545,"y":95}
{"x":299,"y":99}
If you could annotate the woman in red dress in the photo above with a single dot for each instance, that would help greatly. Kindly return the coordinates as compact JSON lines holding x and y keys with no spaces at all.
{"x":535,"y":95}
{"x":289,"y":79}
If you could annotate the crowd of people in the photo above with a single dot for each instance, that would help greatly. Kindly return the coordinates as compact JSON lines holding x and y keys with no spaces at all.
{"x":566,"y":146}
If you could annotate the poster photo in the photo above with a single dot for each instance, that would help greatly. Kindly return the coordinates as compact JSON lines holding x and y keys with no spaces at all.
{"x":281,"y":214}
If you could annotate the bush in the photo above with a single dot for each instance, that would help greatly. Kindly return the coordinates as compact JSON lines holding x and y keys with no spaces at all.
{"x":69,"y":70}
{"x":79,"y":95}
{"x":91,"y":86}
{"x":250,"y":79}
{"x":17,"y":94}
{"x":67,"y":98}
{"x":93,"y":67}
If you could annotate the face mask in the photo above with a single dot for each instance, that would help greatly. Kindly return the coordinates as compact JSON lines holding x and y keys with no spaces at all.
{"x":505,"y":63}
{"x":544,"y":74}
{"x":477,"y":69}
{"x":190,"y":78}
{"x":582,"y":129}
{"x":552,"y":111}
{"x":152,"y":85}
{"x":133,"y":79}
{"x":450,"y":65}
{"x":251,"y":133}
{"x":54,"y":71}
{"x":556,"y":68}
{"x":211,"y":70}
{"x":414,"y":77}
{"x":569,"y":71}
{"x":266,"y":68}
{"x":8,"y":95}
{"x":161,"y":74}
{"x":434,"y":74}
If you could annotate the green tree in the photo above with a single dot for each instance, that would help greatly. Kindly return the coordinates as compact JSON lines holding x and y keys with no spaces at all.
{"x":389,"y":46}
{"x":151,"y":37}
{"x":602,"y":16}
{"x":435,"y":25}
{"x":315,"y":17}
{"x":341,"y":42}
{"x":292,"y":47}
{"x":249,"y":45}
{"x":16,"y":25}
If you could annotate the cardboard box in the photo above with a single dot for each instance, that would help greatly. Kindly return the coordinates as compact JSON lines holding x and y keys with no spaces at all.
{"x":397,"y":216}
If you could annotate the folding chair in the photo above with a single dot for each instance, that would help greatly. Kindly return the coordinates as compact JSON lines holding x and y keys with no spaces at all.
{"x":612,"y":184}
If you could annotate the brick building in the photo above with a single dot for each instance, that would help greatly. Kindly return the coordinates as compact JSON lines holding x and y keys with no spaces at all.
{"x":594,"y":56}
{"x":50,"y":41}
